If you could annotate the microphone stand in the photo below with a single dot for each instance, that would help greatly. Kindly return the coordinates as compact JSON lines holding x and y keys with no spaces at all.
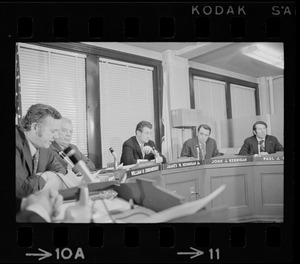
{"x":115,"y":157}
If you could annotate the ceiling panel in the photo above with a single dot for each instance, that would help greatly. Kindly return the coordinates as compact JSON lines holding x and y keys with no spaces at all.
{"x":228,"y":57}
{"x":161,"y":46}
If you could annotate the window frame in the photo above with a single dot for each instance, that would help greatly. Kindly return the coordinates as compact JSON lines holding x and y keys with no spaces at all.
{"x":93,"y":54}
{"x":228,"y":80}
{"x":243,"y":88}
{"x":51,"y":53}
{"x":210,"y":81}
{"x":129,"y":67}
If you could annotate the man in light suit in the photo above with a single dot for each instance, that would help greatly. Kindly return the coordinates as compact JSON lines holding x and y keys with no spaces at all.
{"x":141,"y":146}
{"x":64,"y":138}
{"x":202,"y":146}
{"x":260,"y":143}
{"x":37,"y":131}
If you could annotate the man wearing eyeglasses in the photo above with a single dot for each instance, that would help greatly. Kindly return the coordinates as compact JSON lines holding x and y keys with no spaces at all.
{"x":64,"y":138}
{"x":141,"y":146}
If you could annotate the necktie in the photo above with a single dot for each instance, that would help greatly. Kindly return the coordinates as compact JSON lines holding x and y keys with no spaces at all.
{"x":262,"y":145}
{"x":198,"y":152}
{"x":36,"y":161}
{"x":203,"y":150}
{"x":142,"y":150}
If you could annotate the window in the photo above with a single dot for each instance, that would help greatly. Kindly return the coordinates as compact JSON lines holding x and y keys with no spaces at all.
{"x":242,"y":101}
{"x":228,"y":95}
{"x":126,"y":98}
{"x":56,"y":78}
{"x":210,"y":98}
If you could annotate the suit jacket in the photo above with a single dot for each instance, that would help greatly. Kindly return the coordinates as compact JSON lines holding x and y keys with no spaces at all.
{"x":250,"y":146}
{"x":26,"y":215}
{"x":131,"y":152}
{"x":29,"y":217}
{"x":189,"y":148}
{"x":86,"y":160}
{"x":26,"y":181}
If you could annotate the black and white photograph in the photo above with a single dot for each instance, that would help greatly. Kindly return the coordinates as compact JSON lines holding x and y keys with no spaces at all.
{"x":149,"y":132}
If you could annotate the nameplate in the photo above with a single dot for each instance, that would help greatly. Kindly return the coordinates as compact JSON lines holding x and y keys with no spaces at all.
{"x":229,"y":160}
{"x":182,"y":164}
{"x":141,"y":171}
{"x":268,"y":158}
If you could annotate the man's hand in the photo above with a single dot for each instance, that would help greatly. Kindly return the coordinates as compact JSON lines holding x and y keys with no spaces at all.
{"x":158,"y":159}
{"x":48,"y":199}
{"x":264,"y":153}
{"x":53,"y":180}
{"x":147,"y":149}
{"x":261,"y":154}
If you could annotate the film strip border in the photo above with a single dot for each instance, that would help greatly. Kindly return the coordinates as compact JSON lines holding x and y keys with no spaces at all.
{"x":164,"y":243}
{"x":147,"y":21}
{"x":36,"y":22}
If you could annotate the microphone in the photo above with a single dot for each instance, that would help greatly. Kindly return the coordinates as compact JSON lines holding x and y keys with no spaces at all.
{"x":198,"y":152}
{"x":62,"y":154}
{"x":115,"y":157}
{"x":79,"y":164}
{"x":155,"y":152}
{"x":158,"y":159}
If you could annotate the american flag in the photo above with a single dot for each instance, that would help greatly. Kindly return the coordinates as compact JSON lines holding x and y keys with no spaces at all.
{"x":18,"y":106}
{"x":166,"y":141}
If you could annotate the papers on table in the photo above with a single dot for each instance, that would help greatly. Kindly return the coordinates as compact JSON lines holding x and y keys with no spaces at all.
{"x":116,"y":210}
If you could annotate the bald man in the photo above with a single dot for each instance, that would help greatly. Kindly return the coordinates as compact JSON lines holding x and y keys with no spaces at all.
{"x":64,"y":138}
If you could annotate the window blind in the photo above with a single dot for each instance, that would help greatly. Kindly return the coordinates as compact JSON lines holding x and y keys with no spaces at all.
{"x":242,"y":101}
{"x":126,"y":98}
{"x":56,"y":78}
{"x":210,"y":98}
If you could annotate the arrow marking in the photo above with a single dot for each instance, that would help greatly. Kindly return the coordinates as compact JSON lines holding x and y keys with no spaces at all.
{"x":196,"y":253}
{"x":43,"y":255}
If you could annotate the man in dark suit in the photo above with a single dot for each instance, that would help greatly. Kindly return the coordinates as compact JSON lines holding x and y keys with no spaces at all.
{"x":260,"y":143}
{"x":201,"y":147}
{"x":38,"y":207}
{"x":35,"y":162}
{"x":63,"y":140}
{"x":140,"y":146}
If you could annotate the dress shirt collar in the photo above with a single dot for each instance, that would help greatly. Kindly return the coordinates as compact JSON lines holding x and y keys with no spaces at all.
{"x":258,"y":139}
{"x":200,"y":143}
{"x":32,"y":148}
{"x":140,"y":144}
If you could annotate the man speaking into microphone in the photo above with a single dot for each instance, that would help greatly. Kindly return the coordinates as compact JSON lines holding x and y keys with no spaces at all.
{"x":63,"y":141}
{"x":36,"y":166}
{"x":141,"y":146}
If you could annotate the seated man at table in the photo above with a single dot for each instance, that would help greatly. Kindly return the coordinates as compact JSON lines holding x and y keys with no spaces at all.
{"x":36,"y":166}
{"x":202,"y":146}
{"x":64,"y":138}
{"x":260,"y":143}
{"x":141,"y":146}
